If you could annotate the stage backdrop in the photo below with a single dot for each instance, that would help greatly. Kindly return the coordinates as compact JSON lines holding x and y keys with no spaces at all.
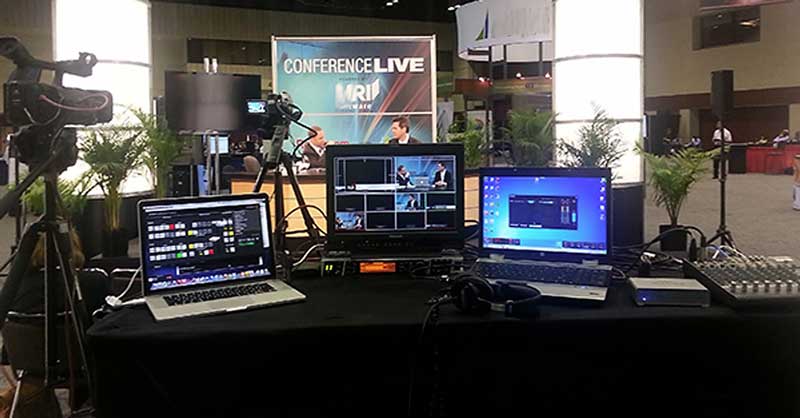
{"x":352,"y":87}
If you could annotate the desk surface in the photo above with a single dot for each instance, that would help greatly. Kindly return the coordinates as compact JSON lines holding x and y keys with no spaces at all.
{"x":347,"y":349}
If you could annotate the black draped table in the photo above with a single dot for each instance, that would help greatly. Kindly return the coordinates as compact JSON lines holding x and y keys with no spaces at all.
{"x":347,"y":351}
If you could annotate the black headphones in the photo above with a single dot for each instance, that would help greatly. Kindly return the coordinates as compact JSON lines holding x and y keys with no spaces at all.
{"x":475,"y":295}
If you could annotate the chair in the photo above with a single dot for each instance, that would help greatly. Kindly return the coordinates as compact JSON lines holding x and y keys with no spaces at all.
{"x":24,"y":342}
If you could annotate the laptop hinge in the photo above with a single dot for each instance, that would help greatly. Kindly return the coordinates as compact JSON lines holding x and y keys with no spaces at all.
{"x":497,"y":257}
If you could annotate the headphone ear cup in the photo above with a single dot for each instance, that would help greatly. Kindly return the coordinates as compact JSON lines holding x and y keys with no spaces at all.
{"x":473,"y":295}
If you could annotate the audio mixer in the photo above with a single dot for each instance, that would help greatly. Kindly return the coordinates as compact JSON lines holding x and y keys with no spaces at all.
{"x":749,"y":280}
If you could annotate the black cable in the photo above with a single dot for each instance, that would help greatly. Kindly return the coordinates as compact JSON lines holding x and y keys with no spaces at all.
{"x":431,"y":318}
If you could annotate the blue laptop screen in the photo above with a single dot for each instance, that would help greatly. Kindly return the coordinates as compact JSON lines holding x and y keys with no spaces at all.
{"x":566,"y":215}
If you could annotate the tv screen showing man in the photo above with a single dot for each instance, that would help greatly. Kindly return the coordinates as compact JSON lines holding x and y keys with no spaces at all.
{"x":404,"y":177}
{"x":443,"y":178}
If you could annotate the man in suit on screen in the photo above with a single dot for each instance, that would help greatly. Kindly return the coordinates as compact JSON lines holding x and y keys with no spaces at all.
{"x":443,"y":178}
{"x":400,"y":133}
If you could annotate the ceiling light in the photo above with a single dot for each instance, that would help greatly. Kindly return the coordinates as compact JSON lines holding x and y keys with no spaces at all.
{"x":457,"y":6}
{"x":519,"y":75}
{"x":395,"y":1}
{"x":388,"y":3}
{"x":450,"y":9}
{"x":548,"y":76}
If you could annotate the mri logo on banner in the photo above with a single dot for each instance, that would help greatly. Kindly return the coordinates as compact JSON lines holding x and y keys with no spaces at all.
{"x":357,"y":96}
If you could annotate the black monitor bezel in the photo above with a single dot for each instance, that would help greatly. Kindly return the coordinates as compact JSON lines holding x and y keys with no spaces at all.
{"x":178,"y":200}
{"x":395,"y":242}
{"x":548,"y":172}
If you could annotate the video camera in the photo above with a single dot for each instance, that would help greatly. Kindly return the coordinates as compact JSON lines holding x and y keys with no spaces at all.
{"x":40,"y":110}
{"x":276,"y":110}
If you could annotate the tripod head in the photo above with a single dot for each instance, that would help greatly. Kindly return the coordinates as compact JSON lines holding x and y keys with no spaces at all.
{"x":275,"y":114}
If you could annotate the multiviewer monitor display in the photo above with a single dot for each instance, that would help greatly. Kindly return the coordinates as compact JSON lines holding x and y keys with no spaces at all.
{"x":189,"y":243}
{"x":395,"y":193}
{"x":552,"y":214}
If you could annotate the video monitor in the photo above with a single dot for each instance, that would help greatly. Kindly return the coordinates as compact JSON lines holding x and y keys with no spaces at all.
{"x":391,"y":196}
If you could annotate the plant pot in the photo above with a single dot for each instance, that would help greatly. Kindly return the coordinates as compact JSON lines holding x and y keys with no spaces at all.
{"x":674,"y":241}
{"x":115,"y":243}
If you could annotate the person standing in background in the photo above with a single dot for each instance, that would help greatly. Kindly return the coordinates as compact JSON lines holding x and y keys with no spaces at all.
{"x":796,"y":205}
{"x":718,"y":140}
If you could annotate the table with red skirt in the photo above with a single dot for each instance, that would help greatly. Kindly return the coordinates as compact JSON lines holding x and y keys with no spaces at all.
{"x":768,"y":159}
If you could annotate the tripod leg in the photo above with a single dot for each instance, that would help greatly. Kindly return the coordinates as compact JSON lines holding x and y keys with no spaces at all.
{"x":75,"y":303}
{"x":298,"y":194}
{"x":279,"y":237}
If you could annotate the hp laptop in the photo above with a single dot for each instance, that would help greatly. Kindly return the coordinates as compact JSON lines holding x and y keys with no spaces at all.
{"x":208,"y":255}
{"x":549,"y":227}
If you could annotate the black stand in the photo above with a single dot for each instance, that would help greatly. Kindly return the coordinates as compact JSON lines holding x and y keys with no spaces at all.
{"x":56,"y":266}
{"x":723,"y":233}
{"x":281,"y":225}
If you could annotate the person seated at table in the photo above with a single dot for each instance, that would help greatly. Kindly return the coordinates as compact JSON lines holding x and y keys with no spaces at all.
{"x":671,"y":141}
{"x":781,"y":139}
{"x":314,"y":149}
{"x":403,"y":177}
{"x":695,"y":142}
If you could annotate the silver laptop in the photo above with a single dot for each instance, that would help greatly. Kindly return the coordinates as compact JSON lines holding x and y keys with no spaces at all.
{"x":547,"y":227}
{"x":208,"y":255}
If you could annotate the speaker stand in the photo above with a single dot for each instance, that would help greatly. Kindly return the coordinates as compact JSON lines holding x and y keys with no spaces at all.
{"x":723,"y":233}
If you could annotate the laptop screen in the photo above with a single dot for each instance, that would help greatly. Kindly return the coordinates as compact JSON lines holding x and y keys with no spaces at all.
{"x":552,"y":213}
{"x":199,"y":241}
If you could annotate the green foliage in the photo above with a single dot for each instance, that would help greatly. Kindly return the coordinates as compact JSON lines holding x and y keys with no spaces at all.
{"x":531,"y":136}
{"x":671,"y":177}
{"x":162,"y":147}
{"x":72,"y":192}
{"x":599,"y":144}
{"x":473,"y":139}
{"x":112,"y":154}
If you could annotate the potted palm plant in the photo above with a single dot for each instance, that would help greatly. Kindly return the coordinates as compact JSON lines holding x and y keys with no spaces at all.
{"x":472,"y":137}
{"x":599,"y":144}
{"x":162,"y":147}
{"x":671,"y":178}
{"x":531,"y":137}
{"x":112,"y":154}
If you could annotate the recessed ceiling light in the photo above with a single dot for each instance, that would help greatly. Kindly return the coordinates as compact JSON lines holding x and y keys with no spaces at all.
{"x":388,"y":3}
{"x":450,"y":9}
{"x":457,"y":6}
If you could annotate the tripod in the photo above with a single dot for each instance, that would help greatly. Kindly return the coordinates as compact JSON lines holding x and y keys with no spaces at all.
{"x":723,"y":233}
{"x":272,"y":161}
{"x":57,"y":255}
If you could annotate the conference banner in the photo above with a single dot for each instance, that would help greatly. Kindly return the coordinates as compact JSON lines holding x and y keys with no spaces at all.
{"x":352,"y":87}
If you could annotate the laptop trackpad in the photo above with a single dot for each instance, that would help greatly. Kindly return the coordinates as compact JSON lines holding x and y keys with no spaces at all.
{"x":240,"y":301}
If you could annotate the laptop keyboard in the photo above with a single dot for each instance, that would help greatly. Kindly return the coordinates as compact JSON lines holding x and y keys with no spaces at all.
{"x":552,"y":274}
{"x":215,"y":294}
